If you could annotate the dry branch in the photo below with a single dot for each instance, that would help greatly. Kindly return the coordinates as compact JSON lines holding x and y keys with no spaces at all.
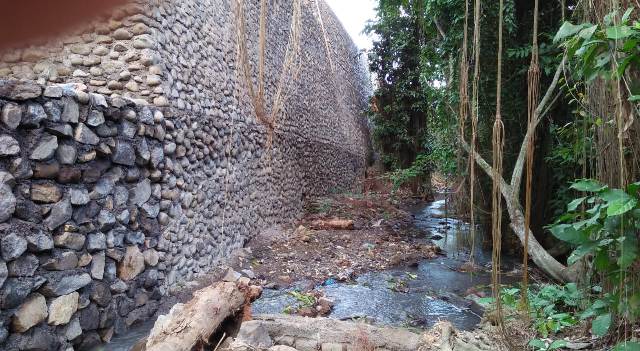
{"x":335,"y":224}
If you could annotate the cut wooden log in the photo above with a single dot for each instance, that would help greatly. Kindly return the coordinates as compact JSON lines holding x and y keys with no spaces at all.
{"x":193,"y":323}
{"x":335,"y":224}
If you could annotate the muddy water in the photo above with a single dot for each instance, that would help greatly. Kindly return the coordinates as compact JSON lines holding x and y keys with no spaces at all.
{"x":410,"y":297}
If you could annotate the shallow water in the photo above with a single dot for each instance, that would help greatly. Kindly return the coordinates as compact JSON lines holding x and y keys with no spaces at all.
{"x":434,"y":290}
{"x":125,"y":342}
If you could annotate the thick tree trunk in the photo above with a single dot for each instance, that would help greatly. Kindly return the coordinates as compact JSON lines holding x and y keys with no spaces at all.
{"x":538,"y":254}
{"x":193,"y":323}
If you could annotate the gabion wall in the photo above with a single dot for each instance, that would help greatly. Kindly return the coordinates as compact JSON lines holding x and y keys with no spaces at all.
{"x":131,"y":158}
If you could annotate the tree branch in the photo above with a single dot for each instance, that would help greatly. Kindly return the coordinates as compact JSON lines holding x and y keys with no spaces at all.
{"x":488,"y":169}
{"x":516,"y":177}
{"x":439,"y":28}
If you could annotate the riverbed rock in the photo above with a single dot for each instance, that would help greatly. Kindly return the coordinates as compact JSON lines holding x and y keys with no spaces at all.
{"x":62,"y":309}
{"x":140,"y":193}
{"x":79,"y":196}
{"x":11,"y":115}
{"x":4,"y":273}
{"x":45,"y":148}
{"x":15,"y":291}
{"x":8,"y":146}
{"x":253,"y":335}
{"x":97,"y":265}
{"x":58,"y":285}
{"x":132,"y":264}
{"x":12,"y":246}
{"x":7,"y":202}
{"x":31,"y":313}
{"x":70,"y":111}
{"x":100,"y":293}
{"x":124,"y":154}
{"x":60,"y":213}
{"x":39,"y":241}
{"x":69,"y":240}
{"x":19,"y":90}
{"x":96,"y":242}
{"x":73,"y":329}
{"x":24,"y":266}
{"x":66,"y":154}
{"x":65,"y":261}
{"x":85,"y":135}
{"x":33,"y":115}
{"x":45,"y":193}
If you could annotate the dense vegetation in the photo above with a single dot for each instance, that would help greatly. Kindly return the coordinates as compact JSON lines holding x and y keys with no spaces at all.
{"x":589,"y":131}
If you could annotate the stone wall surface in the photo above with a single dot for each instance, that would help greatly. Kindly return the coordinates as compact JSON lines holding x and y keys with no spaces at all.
{"x":131,"y":158}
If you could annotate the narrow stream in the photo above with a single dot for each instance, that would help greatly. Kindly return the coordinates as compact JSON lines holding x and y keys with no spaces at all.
{"x":433,"y":291}
{"x":428,"y":293}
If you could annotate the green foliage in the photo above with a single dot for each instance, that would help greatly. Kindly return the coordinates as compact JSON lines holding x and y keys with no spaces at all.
{"x":304,"y":300}
{"x":602,"y":228}
{"x":606,"y":51}
{"x":420,"y":167}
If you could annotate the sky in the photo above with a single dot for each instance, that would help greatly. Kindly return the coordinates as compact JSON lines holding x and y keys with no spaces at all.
{"x":354,"y":15}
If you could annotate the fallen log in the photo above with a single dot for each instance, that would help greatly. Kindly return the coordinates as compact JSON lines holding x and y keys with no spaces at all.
{"x":335,"y":224}
{"x":191,"y":324}
{"x":310,"y":334}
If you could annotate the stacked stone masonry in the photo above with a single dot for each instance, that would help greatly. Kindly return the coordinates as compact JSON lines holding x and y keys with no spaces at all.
{"x":131,"y":159}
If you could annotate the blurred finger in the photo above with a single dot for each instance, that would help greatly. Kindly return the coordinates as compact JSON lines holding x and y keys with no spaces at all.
{"x":23,"y":21}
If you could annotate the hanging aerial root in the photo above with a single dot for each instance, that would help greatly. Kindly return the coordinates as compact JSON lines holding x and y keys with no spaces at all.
{"x":290,"y":68}
{"x":475,"y":105}
{"x":533,"y":80}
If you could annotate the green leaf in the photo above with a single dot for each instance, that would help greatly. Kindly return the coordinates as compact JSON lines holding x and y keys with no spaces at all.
{"x":632,"y":189}
{"x":538,"y":344}
{"x":627,"y":14}
{"x":634,"y":98}
{"x":581,"y":251}
{"x":601,"y":261}
{"x":588,"y":32}
{"x":621,"y":206}
{"x":627,"y":346}
{"x":600,"y":325}
{"x":619,"y":32}
{"x":557,"y":344}
{"x":573,"y":205}
{"x":568,"y":233}
{"x":628,"y":251}
{"x":624,"y":64}
{"x":566,"y":30}
{"x":588,"y":185}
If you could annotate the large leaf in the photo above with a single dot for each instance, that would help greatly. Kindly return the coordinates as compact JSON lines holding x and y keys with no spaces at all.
{"x":588,"y":185}
{"x":582,"y":251}
{"x":621,"y":206}
{"x":538,"y":344}
{"x":566,"y":30}
{"x":619,"y":32}
{"x":573,"y":205}
{"x":567,"y":233}
{"x":627,"y":346}
{"x":600,"y":325}
{"x":628,"y":251}
{"x":557,"y":344}
{"x":588,"y":32}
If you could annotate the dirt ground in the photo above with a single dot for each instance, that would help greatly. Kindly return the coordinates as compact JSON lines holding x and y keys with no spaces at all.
{"x":381,"y":237}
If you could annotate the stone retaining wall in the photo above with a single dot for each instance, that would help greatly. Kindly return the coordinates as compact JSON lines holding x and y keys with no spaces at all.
{"x":131,"y":159}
